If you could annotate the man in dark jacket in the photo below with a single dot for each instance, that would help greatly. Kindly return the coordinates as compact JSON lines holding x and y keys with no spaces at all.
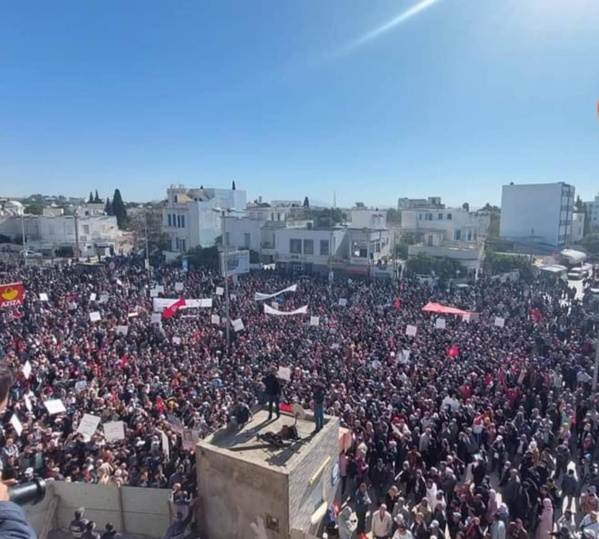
{"x":12,"y":517}
{"x":273,"y":392}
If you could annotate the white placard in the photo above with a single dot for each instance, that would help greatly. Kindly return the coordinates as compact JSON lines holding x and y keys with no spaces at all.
{"x":159,"y":289}
{"x":274,"y":305}
{"x":499,"y":322}
{"x":104,"y":298}
{"x":411,"y":331}
{"x":179,"y":287}
{"x":165,"y":445}
{"x":95,"y":316}
{"x":27,"y":403}
{"x":284,"y":373}
{"x":190,"y":439}
{"x":93,"y":296}
{"x":27,"y":370}
{"x":55,"y":406}
{"x":156,"y":318}
{"x":132,"y":315}
{"x":16,"y":424}
{"x":220,"y":290}
{"x":88,"y":425}
{"x":176,"y":340}
{"x":119,"y":282}
{"x":440,"y":323}
{"x":80,"y":385}
{"x":233,"y":296}
{"x":153,"y":293}
{"x":343,"y":302}
{"x":335,"y":346}
{"x":114,"y":431}
{"x":43,"y":296}
{"x":215,"y":319}
{"x":314,"y":321}
{"x":238,"y":325}
{"x":122,"y":330}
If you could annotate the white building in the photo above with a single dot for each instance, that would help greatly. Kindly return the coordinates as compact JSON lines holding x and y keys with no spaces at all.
{"x":412,"y":203}
{"x":592,"y":210}
{"x":189,"y":218}
{"x":97,"y":234}
{"x":541,"y":212}
{"x":578,"y":222}
{"x":362,"y":217}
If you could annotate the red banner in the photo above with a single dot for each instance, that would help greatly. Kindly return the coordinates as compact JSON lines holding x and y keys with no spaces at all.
{"x":11,"y":295}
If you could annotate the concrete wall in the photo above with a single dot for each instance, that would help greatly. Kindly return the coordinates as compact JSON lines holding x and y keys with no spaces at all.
{"x":303,"y":495}
{"x":139,"y":511}
{"x":235,"y":493}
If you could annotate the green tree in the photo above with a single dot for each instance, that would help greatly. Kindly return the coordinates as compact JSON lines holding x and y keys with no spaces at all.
{"x":233,"y":186}
{"x":326,"y":217}
{"x":119,"y":210}
{"x":496,"y":263}
{"x":401,"y":250}
{"x":306,"y":202}
{"x":97,"y":199}
{"x":90,"y":200}
{"x":204,"y":257}
{"x":442,"y":267}
{"x":108,"y":207}
{"x":34,"y":208}
{"x":393,"y":216}
{"x":591,"y":243}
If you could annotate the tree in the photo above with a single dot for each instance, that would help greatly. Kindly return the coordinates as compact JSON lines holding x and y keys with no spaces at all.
{"x":466,"y":206}
{"x":393,"y":216}
{"x":97,"y":199}
{"x":401,"y":250}
{"x":591,"y":243}
{"x":233,"y":187}
{"x":578,"y":205}
{"x":118,"y":209}
{"x":496,"y":263}
{"x":108,"y":207}
{"x":34,"y":209}
{"x":147,"y":224}
{"x":442,"y":267}
{"x":326,"y":217}
{"x":306,"y":202}
{"x":204,"y":257}
{"x":90,"y":200}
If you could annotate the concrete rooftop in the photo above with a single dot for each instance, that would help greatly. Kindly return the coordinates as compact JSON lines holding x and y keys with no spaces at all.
{"x":244,"y":445}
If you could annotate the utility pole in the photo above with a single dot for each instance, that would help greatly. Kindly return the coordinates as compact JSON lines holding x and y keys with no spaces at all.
{"x":596,"y":369}
{"x":147,"y":242}
{"x":76,"y":216}
{"x":331,"y":242}
{"x":24,"y":236}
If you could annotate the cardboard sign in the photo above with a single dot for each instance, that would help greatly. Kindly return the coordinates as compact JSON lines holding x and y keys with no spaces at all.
{"x":95,"y":316}
{"x":440,"y":323}
{"x":156,"y":318}
{"x":16,"y":424}
{"x":80,"y":385}
{"x":499,"y":322}
{"x":176,"y":340}
{"x":88,"y":425}
{"x":215,"y":319}
{"x":220,"y":290}
{"x":122,"y":330}
{"x":27,"y":370}
{"x":238,"y":325}
{"x":411,"y":331}
{"x":314,"y":321}
{"x":104,"y":298}
{"x":179,"y":287}
{"x":190,"y":439}
{"x":93,"y":296}
{"x":284,"y":373}
{"x":114,"y":431}
{"x":343,"y":302}
{"x":55,"y":407}
{"x":43,"y":296}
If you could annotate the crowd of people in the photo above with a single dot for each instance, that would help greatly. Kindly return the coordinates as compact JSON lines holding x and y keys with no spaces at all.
{"x":442,"y":421}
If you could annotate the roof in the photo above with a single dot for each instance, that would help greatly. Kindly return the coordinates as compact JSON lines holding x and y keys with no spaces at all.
{"x":554,"y":268}
{"x":574,"y":256}
{"x":244,"y":445}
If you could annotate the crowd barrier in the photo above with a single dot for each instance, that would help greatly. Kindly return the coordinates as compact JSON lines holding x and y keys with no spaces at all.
{"x":136,"y":511}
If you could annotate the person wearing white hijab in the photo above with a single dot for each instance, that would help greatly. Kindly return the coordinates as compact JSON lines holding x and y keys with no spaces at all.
{"x":345,"y":525}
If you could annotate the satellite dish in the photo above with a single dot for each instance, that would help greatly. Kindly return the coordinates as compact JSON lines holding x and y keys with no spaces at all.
{"x":298,"y":411}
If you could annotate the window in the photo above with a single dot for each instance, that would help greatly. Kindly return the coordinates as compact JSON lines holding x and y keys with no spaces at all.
{"x":429,"y":216}
{"x":177,"y":244}
{"x":295,"y":247}
{"x":183,"y":221}
{"x":227,"y":239}
{"x":247,"y":240}
{"x":449,"y":216}
{"x":440,"y":217}
{"x":176,"y":199}
{"x":308,"y":247}
{"x":86,"y":229}
{"x":170,"y":222}
{"x":324,"y":247}
{"x":182,"y":245}
{"x":458,"y":235}
{"x":420,"y":217}
{"x":178,"y":221}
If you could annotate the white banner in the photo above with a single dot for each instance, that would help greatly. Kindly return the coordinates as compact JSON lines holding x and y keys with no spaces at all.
{"x":269,"y":310}
{"x":159,"y":304}
{"x":238,"y":262}
{"x":88,"y":425}
{"x":238,"y":325}
{"x":258,"y":296}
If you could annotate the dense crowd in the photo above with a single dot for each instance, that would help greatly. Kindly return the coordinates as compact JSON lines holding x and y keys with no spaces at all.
{"x":440,"y":422}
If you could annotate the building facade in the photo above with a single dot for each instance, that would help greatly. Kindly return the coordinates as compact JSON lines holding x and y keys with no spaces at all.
{"x":592,"y":211}
{"x":578,"y":224}
{"x":540,"y":212}
{"x":190,"y":218}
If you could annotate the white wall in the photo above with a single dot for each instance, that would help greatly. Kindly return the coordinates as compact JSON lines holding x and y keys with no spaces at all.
{"x":237,"y":230}
{"x":578,"y":227}
{"x":470,"y":227}
{"x":536,"y":210}
{"x":366,"y":218}
{"x":284,"y":235}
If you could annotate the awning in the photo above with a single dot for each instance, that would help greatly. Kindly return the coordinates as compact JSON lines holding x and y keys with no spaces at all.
{"x":442,"y":309}
{"x":576,"y":257}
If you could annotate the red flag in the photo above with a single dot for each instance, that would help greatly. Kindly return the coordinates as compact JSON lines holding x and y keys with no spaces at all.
{"x":536,"y":315}
{"x":160,"y":406}
{"x":285,"y":407}
{"x":123,"y":361}
{"x":170,"y":311}
{"x":453,"y":351}
{"x":397,"y":303}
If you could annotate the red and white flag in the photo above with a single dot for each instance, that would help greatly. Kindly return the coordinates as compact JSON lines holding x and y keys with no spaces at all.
{"x":170,"y":311}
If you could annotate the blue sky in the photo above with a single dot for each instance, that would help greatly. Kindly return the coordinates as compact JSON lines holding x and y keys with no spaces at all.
{"x":138,"y":94}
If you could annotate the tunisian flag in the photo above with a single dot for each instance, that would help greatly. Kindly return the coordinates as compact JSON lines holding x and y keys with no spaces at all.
{"x":536,"y":315}
{"x":453,"y":351}
{"x":397,"y":303}
{"x":170,"y":311}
